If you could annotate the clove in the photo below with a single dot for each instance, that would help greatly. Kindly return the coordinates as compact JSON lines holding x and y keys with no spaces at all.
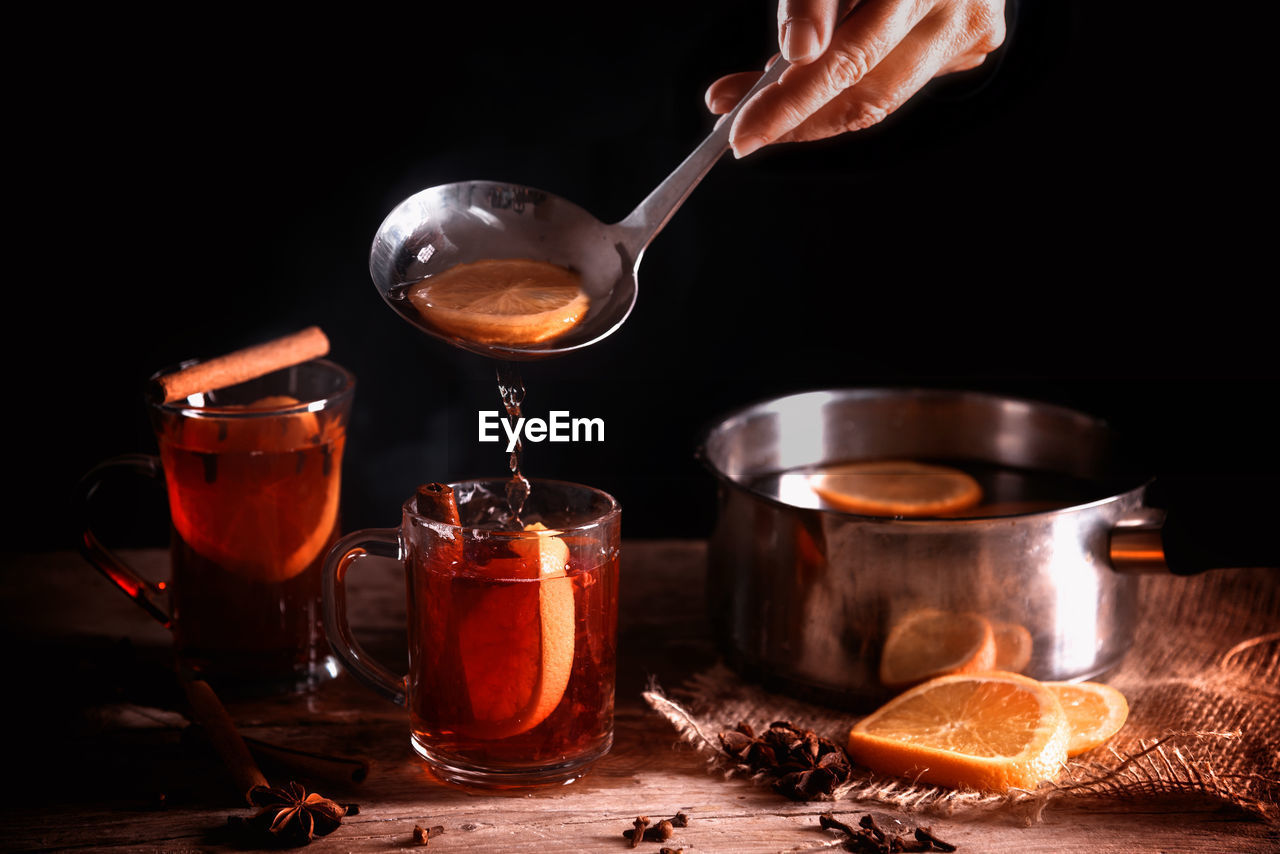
{"x":871,"y":827}
{"x":925,"y":834}
{"x":830,"y":822}
{"x":637,"y":833}
{"x":422,"y":835}
{"x":870,"y":838}
{"x":660,"y":832}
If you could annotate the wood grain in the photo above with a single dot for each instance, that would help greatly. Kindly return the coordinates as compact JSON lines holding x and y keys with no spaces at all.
{"x":99,"y":757}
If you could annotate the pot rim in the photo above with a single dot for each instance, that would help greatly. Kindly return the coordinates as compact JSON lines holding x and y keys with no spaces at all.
{"x":1139,"y":486}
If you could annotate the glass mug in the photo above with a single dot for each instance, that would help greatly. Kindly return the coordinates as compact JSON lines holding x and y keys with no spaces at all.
{"x":512,"y":633}
{"x":253,"y":477}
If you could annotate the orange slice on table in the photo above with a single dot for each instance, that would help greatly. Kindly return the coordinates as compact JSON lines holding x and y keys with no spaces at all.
{"x":513,"y":302}
{"x":254,"y":507}
{"x":989,"y":731}
{"x":931,"y":643}
{"x":517,"y":639}
{"x":1094,"y":711}
{"x":896,"y":488}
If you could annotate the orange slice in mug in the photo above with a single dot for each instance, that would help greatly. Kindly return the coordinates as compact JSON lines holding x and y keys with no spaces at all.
{"x":274,"y":434}
{"x":517,"y":639}
{"x":256,"y":496}
{"x":896,"y":488}
{"x":511,"y":302}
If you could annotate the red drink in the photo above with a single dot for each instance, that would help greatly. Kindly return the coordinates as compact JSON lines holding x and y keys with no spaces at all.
{"x":253,"y":495}
{"x":512,"y":628}
{"x":512,"y":652}
{"x":252,"y":468}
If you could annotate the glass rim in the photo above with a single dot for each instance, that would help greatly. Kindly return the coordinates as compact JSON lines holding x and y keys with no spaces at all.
{"x":609,"y":516}
{"x":183,"y":407}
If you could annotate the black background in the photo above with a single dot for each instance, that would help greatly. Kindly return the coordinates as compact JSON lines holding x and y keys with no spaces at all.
{"x":1075,"y":222}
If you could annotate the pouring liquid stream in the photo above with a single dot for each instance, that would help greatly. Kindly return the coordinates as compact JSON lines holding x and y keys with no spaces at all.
{"x":511,"y":389}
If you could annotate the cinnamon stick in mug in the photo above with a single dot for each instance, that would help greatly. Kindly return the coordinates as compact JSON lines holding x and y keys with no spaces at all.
{"x":243,"y":365}
{"x":437,"y":502}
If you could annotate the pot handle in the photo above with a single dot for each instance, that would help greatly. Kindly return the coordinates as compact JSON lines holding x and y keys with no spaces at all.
{"x":1200,"y":523}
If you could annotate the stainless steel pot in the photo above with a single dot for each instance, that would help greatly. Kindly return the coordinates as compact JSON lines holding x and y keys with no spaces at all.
{"x":804,"y":597}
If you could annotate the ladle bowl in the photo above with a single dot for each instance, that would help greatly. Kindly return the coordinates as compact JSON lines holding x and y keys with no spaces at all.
{"x":451,"y":224}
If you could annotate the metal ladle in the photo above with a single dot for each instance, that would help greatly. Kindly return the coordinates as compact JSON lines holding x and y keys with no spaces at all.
{"x":451,"y":224}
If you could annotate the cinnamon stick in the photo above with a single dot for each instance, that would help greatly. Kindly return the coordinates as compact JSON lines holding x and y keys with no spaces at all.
{"x":212,"y":715}
{"x":444,"y":552}
{"x":437,"y":502}
{"x":307,"y":763}
{"x":243,"y":365}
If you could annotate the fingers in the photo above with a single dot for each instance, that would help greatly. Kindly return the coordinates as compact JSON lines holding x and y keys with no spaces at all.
{"x":881,"y":91}
{"x":860,"y":44}
{"x":879,"y":57}
{"x":965,"y":62}
{"x":724,"y":94}
{"x":805,"y":28}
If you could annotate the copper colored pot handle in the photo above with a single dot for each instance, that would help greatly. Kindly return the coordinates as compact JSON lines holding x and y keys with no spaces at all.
{"x":1202,"y":523}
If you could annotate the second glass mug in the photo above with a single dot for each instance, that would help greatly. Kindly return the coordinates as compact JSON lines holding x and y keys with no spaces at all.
{"x":253,"y":476}
{"x":512,"y":633}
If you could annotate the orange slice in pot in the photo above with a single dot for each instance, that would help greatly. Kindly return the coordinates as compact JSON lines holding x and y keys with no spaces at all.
{"x":932,"y":642}
{"x":517,"y":638}
{"x":987,"y":731}
{"x":1094,"y":711}
{"x":508,"y":302}
{"x":896,"y":488}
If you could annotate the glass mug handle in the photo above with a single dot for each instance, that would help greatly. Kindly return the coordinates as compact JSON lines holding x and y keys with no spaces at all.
{"x":148,"y":595}
{"x":381,"y":542}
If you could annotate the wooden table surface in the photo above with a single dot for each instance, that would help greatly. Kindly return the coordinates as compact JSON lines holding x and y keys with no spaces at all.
{"x":97,"y":759}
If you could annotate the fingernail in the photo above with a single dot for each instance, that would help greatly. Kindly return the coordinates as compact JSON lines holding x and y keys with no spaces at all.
{"x":746,"y":145}
{"x":799,"y":40}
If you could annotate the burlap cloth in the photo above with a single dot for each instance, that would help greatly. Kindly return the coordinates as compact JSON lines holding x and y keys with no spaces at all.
{"x":1202,"y":680}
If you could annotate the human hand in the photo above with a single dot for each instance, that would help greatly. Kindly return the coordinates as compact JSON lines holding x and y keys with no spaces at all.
{"x":850,"y":75}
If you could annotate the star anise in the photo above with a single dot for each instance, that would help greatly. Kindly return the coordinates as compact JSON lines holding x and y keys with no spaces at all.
{"x":803,"y":765}
{"x":289,"y":816}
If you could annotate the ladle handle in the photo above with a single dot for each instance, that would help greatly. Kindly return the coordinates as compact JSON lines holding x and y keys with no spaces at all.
{"x":644,"y":223}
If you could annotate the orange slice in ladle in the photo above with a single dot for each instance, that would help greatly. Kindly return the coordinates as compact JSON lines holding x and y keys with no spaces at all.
{"x":511,"y":302}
